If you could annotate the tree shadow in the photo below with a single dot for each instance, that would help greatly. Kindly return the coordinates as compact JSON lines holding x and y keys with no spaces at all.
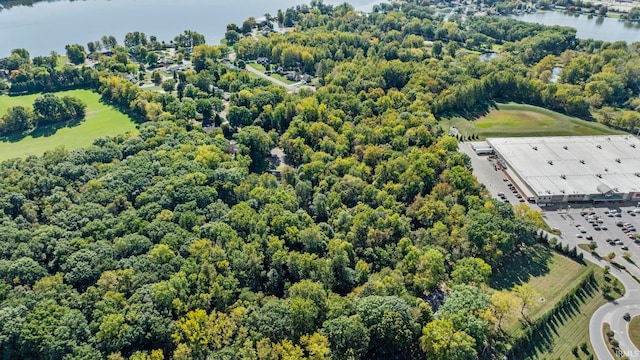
{"x":40,"y":131}
{"x":478,"y":111}
{"x":52,"y":129}
{"x":544,"y":333}
{"x":519,"y":267}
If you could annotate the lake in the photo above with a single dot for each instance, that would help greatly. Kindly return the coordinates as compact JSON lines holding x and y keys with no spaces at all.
{"x":606,"y":29}
{"x":50,"y":25}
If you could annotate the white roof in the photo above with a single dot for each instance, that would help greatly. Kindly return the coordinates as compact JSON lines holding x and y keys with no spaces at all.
{"x":573,"y":164}
{"x":480,"y":145}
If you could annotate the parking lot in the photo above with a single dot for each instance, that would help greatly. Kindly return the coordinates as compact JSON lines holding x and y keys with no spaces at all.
{"x":567,"y":218}
{"x":496,"y":181}
{"x":611,"y":226}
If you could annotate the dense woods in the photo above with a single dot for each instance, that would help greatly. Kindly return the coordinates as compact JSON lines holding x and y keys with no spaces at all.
{"x":376,"y":242}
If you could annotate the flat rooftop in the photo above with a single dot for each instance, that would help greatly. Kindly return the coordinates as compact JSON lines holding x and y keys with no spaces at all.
{"x":560,"y":165}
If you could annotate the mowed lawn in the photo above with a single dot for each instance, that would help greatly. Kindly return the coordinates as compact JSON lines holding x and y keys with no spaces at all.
{"x":634,"y":331}
{"x":511,"y":120}
{"x":101,"y":120}
{"x":553,"y":276}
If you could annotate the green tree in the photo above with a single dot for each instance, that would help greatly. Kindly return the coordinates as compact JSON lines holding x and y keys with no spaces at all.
{"x":76,"y":53}
{"x":257,"y":143}
{"x":348,"y":337}
{"x":17,"y":118}
{"x":169,"y":85}
{"x":440,"y":341}
{"x":471,"y":271}
{"x":389,"y":322}
{"x":239,"y":116}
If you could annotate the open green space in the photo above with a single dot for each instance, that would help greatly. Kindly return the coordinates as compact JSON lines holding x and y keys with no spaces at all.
{"x":257,"y":66}
{"x":512,"y":120}
{"x":634,"y":331}
{"x":282,"y":78}
{"x":553,"y":276}
{"x":101,"y":120}
{"x":262,"y":69}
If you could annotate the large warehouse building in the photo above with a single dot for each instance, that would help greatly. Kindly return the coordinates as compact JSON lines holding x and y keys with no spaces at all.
{"x":572,"y":168}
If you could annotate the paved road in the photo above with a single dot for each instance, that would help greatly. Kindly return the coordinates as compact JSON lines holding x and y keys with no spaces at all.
{"x":292,"y":88}
{"x":288,"y":87}
{"x":612,"y":313}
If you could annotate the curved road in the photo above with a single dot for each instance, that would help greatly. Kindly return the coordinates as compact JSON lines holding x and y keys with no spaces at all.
{"x":612,"y":313}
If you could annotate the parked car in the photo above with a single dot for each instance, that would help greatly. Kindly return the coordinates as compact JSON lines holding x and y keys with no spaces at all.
{"x":627,"y":316}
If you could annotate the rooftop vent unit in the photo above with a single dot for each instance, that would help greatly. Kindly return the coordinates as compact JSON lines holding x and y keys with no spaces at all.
{"x":599,"y":175}
{"x":550,"y":162}
{"x":637,"y":174}
{"x":605,"y":169}
{"x":581,"y":161}
{"x":599,"y":146}
{"x":548,"y":191}
{"x":618,"y":161}
{"x":562,"y":191}
{"x":565,"y":147}
{"x":633,"y":146}
{"x":535,"y":148}
{"x":563,"y":177}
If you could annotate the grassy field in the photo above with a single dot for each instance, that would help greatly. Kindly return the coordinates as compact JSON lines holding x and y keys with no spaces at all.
{"x":553,"y":276}
{"x":262,"y":69}
{"x":525,"y":120}
{"x":634,"y":331}
{"x":257,"y":66}
{"x":101,"y":120}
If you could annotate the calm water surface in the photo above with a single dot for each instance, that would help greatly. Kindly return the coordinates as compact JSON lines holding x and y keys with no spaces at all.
{"x":51,"y":25}
{"x":606,"y":29}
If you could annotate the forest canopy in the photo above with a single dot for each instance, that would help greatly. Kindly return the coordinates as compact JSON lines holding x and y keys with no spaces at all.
{"x":373,"y":240}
